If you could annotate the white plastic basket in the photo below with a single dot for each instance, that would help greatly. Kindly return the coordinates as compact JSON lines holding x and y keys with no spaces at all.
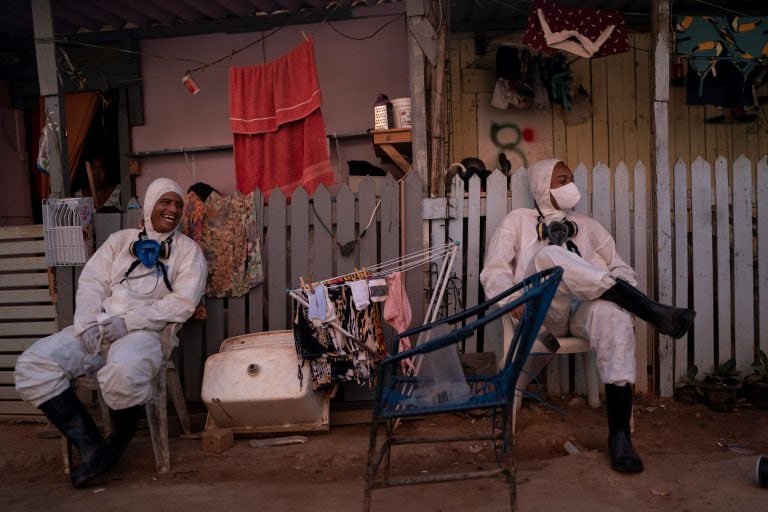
{"x":68,"y":230}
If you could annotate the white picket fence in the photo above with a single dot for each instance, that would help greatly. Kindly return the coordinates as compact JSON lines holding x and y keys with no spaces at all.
{"x":719,"y":251}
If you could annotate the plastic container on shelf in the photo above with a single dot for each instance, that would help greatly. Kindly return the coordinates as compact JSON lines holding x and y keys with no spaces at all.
{"x":382,"y":113}
{"x":401,"y":108}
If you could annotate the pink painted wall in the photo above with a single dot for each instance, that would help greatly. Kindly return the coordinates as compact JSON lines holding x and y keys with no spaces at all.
{"x":351,"y":74}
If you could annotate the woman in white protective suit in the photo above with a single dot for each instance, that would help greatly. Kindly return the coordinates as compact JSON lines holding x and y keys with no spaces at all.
{"x":596,"y":298}
{"x":135,"y":283}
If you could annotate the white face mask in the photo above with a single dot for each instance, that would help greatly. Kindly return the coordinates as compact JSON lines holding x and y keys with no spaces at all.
{"x":566,"y":196}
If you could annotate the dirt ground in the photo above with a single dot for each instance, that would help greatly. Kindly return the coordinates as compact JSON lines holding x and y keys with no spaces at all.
{"x":696,"y":460}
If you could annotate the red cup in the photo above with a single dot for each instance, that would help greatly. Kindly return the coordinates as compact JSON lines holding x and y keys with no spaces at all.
{"x":190,"y":84}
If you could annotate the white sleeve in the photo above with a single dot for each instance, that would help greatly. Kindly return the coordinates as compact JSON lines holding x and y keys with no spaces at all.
{"x":499,"y":268}
{"x":94,"y":283}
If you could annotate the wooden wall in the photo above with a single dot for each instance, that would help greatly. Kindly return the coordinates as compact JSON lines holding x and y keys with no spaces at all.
{"x":619,"y":129}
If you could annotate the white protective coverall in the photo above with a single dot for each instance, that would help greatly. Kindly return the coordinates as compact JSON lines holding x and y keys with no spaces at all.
{"x":516,"y":252}
{"x":144,"y":303}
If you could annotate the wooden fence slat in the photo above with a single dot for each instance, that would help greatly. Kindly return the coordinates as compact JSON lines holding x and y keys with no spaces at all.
{"x":22,"y":247}
{"x":17,"y":232}
{"x":415,"y":281}
{"x":345,"y":229}
{"x":644,"y":345}
{"x":473,"y":254}
{"x":323,"y":241}
{"x":24,"y":296}
{"x":722,"y":198}
{"x":277,"y":275}
{"x":622,"y":206}
{"x":367,"y":243}
{"x":580,"y":178}
{"x":25,"y":263}
{"x":256,"y":295}
{"x":300,"y":247}
{"x":27,"y":312}
{"x":520,"y":190}
{"x":236,"y":316}
{"x":192,"y":354}
{"x":24,"y":280}
{"x":456,"y":223}
{"x":703,"y":264}
{"x":743,"y":281}
{"x":602,"y":196}
{"x":762,"y":253}
{"x":16,"y":344}
{"x":27,"y":328}
{"x":680,"y":244}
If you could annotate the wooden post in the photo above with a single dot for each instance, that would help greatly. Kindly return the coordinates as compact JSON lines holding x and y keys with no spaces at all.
{"x":437,"y":121}
{"x":54,"y":118}
{"x":661,"y":184}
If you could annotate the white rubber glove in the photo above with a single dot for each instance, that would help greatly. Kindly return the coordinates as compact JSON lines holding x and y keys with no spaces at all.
{"x":113,"y":328}
{"x":90,"y":340}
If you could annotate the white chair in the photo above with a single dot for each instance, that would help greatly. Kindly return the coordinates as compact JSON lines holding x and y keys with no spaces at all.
{"x":568,"y":345}
{"x":165,"y":381}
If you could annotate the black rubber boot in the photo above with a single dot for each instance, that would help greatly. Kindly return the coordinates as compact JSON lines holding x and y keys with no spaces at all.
{"x":668,"y":320}
{"x":618,"y":401}
{"x":70,"y":416}
{"x":126,"y":422}
{"x":761,"y":471}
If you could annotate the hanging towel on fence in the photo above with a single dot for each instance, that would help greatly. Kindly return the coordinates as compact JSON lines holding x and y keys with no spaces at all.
{"x":581,"y":31}
{"x":279,"y":136}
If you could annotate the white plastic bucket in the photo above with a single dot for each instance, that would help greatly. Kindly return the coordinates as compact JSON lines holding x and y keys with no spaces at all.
{"x":401,"y":108}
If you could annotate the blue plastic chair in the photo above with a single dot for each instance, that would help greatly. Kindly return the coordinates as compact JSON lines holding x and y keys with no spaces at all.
{"x":393,"y":399}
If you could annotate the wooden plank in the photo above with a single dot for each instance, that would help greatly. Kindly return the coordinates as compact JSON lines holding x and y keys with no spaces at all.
{"x":495,"y":204}
{"x":278,"y":272}
{"x":14,"y":232}
{"x":622,"y":205}
{"x":27,"y":312}
{"x":680,"y":176}
{"x":26,"y":263}
{"x":414,"y":241}
{"x":579,"y":137}
{"x":322,"y":264}
{"x":457,"y":128}
{"x":473,"y":255}
{"x":762,"y":253}
{"x":468,"y":105}
{"x":367,"y":208}
{"x":9,"y":393}
{"x":520,"y":190}
{"x":475,"y":80}
{"x":192,"y":354}
{"x":601,"y":196}
{"x":615,"y":111}
{"x":628,"y":106}
{"x":24,"y":280}
{"x":8,"y":361}
{"x":6,"y":377}
{"x":644,"y":355}
{"x":300,"y":247}
{"x":456,"y":224}
{"x":580,"y":178}
{"x":27,"y":328}
{"x":738,"y":134}
{"x":743,"y":281}
{"x":256,"y":295}
{"x":643,"y":96}
{"x":23,"y":247}
{"x":680,"y":126}
{"x":215,"y":326}
{"x":16,"y":345}
{"x":24,"y":296}
{"x":345,"y":229}
{"x":697,"y":131}
{"x":236,"y":316}
{"x":390,"y":219}
{"x":710,"y":138}
{"x":600,"y":135}
{"x":8,"y":408}
{"x":703,"y":264}
{"x":722,"y":196}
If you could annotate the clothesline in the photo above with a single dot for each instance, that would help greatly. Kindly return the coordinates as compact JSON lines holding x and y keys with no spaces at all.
{"x":398,"y":264}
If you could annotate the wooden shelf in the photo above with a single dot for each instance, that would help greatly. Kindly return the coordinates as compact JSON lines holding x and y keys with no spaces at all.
{"x":394,"y":143}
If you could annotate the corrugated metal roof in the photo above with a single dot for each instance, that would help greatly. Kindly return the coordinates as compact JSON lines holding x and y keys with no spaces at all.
{"x":74,"y":16}
{"x":509,"y":15}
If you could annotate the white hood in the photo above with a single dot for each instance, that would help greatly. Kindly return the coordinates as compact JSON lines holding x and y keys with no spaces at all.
{"x":539,"y":178}
{"x":154,"y":192}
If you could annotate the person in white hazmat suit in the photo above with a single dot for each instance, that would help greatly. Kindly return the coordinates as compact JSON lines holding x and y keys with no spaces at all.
{"x":135,"y":283}
{"x":596,"y":299}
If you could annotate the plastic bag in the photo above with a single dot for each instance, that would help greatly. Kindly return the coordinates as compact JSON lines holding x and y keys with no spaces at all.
{"x":440,"y":378}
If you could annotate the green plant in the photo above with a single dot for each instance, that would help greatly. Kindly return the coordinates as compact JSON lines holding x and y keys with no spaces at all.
{"x":724,"y":374}
{"x":759,"y":368}
{"x":690,"y":377}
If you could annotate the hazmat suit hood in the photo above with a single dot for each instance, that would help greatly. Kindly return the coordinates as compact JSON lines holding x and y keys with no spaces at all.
{"x":539,"y":179}
{"x":154,"y":192}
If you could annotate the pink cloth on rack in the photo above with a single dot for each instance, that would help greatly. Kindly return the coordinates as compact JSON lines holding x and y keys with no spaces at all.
{"x":279,"y":135}
{"x":397,"y":308}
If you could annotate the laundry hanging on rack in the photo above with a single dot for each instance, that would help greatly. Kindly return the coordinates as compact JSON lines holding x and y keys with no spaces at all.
{"x":348,"y":346}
